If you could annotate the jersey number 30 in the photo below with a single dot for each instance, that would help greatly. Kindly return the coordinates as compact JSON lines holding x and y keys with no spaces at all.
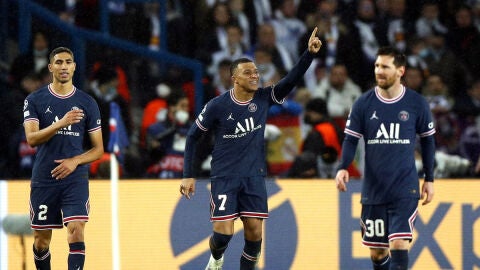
{"x":374,"y":228}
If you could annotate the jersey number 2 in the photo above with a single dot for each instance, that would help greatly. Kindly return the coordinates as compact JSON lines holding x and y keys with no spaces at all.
{"x":42,"y":215}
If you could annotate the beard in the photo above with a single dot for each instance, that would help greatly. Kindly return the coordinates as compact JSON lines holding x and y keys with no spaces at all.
{"x":385,"y":83}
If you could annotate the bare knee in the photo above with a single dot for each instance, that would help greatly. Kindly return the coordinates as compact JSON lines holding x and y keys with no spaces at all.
{"x":377,"y":254}
{"x":75,"y":231}
{"x":42,"y":239}
{"x":252,"y":228}
{"x":401,"y":244}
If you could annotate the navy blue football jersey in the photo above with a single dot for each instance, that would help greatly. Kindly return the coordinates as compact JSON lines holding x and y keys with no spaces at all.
{"x":239,"y":129}
{"x":389,"y":128}
{"x":47,"y":107}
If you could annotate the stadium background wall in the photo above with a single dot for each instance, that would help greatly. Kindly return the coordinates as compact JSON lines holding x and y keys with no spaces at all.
{"x":311,"y":226}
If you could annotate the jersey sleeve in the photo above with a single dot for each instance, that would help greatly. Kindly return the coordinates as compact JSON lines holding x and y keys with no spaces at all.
{"x":29,"y":110}
{"x":202,"y":124}
{"x":425,"y":128}
{"x":206,"y":117}
{"x":94,"y":121}
{"x":425,"y":125}
{"x":353,"y":126}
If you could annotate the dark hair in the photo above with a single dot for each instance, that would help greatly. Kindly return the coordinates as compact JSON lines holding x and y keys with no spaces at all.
{"x":234,"y":65}
{"x":317,"y":105}
{"x":225,"y":62}
{"x":175,"y":96}
{"x":59,"y":50}
{"x":105,"y":74}
{"x":399,"y":59}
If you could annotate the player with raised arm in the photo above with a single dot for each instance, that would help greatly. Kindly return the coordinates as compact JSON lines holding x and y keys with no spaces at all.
{"x":238,"y":167}
{"x":56,"y":119}
{"x":389,"y":118}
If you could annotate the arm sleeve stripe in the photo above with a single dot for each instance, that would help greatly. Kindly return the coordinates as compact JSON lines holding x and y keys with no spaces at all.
{"x":353,"y":133}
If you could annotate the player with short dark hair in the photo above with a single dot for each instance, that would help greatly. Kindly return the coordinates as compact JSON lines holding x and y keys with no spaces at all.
{"x":238,"y":168}
{"x":56,"y":119}
{"x":389,"y":118}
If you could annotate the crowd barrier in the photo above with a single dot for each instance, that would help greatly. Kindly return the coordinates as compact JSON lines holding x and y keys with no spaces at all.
{"x":311,"y":226}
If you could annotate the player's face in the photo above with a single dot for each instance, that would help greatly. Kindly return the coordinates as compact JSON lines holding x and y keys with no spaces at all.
{"x":62,"y":67}
{"x":386,"y":73}
{"x":246,"y":76}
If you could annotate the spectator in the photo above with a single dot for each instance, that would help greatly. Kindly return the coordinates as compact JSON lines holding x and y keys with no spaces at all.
{"x":339,"y":92}
{"x":103,"y":88}
{"x":443,"y":62}
{"x":429,"y":21}
{"x":266,"y":39}
{"x":154,"y":110}
{"x":166,"y":139}
{"x":31,"y":62}
{"x":223,"y":80}
{"x":237,"y":9}
{"x":147,"y":29}
{"x":269,"y":74}
{"x":16,"y":154}
{"x":464,"y":40}
{"x":470,"y":146}
{"x":288,"y":28}
{"x":468,"y":107}
{"x":332,"y":31}
{"x":413,"y":78}
{"x":437,"y":95}
{"x":258,"y":12}
{"x":234,"y":48}
{"x":322,"y":146}
{"x":417,"y":49}
{"x":213,"y":33}
{"x":399,"y":26}
{"x":476,"y":15}
{"x":367,"y":35}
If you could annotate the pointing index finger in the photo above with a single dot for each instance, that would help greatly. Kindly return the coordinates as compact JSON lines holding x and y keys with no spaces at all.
{"x":314,"y":33}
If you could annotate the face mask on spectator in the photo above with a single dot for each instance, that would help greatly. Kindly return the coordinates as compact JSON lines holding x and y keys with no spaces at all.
{"x":181,"y":116}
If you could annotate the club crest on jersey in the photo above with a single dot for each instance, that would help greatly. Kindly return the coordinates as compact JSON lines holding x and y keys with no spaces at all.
{"x":403,"y":116}
{"x":252,"y":107}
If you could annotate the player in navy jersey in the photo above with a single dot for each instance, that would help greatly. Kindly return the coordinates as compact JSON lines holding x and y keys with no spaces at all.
{"x":238,"y":167}
{"x":389,"y":118}
{"x":56,"y":119}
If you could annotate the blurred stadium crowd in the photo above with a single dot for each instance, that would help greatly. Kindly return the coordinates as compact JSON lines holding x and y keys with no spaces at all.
{"x":441,"y":40}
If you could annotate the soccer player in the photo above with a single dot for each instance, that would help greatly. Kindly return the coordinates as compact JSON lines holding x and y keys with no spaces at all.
{"x":389,"y":117}
{"x":238,"y":167}
{"x":56,"y":119}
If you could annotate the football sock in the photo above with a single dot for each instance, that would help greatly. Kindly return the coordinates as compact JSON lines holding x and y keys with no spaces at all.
{"x":251,"y":252}
{"x":42,"y":259}
{"x":218,"y":244}
{"x":399,"y":259}
{"x":383,"y":264}
{"x":76,"y":256}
